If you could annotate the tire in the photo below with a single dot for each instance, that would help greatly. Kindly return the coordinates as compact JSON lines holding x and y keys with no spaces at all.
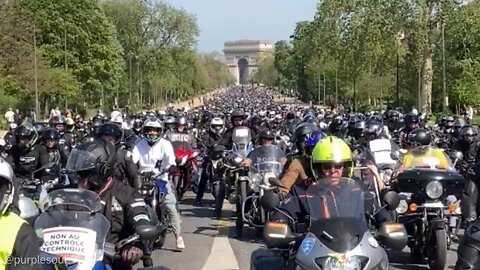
{"x":160,"y":241}
{"x":437,"y":250}
{"x":242,"y":195}
{"x":219,"y":194}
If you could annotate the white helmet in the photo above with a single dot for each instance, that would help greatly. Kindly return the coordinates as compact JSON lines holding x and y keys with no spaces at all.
{"x":6,"y":178}
{"x":152,"y":123}
{"x":217,"y":125}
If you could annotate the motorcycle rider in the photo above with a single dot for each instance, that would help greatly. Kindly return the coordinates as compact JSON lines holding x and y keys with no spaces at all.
{"x":467,"y":144}
{"x":299,"y":169}
{"x":181,"y":138}
{"x":66,"y":139}
{"x":58,"y":154}
{"x":124,"y":165}
{"x":19,"y":240}
{"x":154,"y":154}
{"x":94,"y":164}
{"x":26,"y":155}
{"x":237,"y":118}
{"x":412,"y":122}
{"x":209,"y":140}
{"x":331,"y":162}
{"x":266,"y":138}
{"x":80,"y":130}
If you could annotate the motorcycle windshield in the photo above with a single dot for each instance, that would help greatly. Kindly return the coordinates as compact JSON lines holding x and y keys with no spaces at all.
{"x":427,"y":157}
{"x":180,"y":141}
{"x":381,"y":150}
{"x":241,"y":138}
{"x":267,"y":159}
{"x":70,"y":229}
{"x":337,"y":215}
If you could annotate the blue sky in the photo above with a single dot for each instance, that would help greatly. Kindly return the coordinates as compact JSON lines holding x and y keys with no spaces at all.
{"x":227,"y":20}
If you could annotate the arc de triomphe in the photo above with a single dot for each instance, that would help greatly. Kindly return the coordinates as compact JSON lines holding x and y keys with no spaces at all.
{"x":242,"y":56}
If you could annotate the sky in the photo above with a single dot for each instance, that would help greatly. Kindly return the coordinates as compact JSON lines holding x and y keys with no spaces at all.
{"x":229,"y":20}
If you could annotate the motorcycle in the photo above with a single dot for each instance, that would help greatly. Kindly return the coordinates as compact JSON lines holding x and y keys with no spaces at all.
{"x":264,"y":166}
{"x":338,"y":236}
{"x":186,"y":161}
{"x":154,"y":190}
{"x":73,"y":229}
{"x":430,"y":189}
{"x":380,"y":151}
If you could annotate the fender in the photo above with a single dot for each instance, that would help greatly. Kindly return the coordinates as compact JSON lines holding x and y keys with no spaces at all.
{"x":434,"y":225}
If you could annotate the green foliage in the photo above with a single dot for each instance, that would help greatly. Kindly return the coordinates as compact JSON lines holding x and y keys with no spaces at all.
{"x":101,"y":53}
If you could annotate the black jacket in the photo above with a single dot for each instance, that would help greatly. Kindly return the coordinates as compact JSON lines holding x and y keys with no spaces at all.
{"x":125,"y":209}
{"x":27,"y":245}
{"x":126,"y":169}
{"x":25,"y":161}
{"x":210,"y":139}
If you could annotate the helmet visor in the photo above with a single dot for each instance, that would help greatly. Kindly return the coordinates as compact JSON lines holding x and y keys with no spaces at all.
{"x":81,"y":161}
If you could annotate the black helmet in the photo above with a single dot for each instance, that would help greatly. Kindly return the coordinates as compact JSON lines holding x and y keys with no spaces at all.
{"x":93,"y":161}
{"x":420,"y":136}
{"x":301,"y":133}
{"x":411,"y":118}
{"x":266,"y":134}
{"x":25,"y":135}
{"x":290,"y":115}
{"x":40,"y":127}
{"x":373,"y":129}
{"x":238,"y":113}
{"x":51,"y":134}
{"x":111,"y":129}
{"x":468,"y":133}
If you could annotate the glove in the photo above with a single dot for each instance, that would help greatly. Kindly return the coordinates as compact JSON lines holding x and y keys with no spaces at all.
{"x":132,"y":254}
{"x":282,"y":195}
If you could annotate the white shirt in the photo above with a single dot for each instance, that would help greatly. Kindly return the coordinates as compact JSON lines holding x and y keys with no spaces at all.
{"x":147,"y":156}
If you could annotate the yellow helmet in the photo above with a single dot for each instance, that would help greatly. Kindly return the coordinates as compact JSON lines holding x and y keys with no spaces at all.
{"x":331,"y":150}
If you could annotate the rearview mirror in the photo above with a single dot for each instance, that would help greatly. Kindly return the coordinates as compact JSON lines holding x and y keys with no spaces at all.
{"x":147,"y":232}
{"x":277,"y":235}
{"x":393,"y":236}
{"x":391,"y":200}
{"x":395,"y":155}
{"x":270,"y":201}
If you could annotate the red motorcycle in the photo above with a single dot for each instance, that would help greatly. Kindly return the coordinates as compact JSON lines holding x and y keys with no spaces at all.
{"x":186,"y":165}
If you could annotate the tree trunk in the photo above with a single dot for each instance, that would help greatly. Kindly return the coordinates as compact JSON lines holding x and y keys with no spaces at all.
{"x":427,"y":80}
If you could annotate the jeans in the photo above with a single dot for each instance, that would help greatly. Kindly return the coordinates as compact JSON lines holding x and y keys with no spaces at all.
{"x":171,"y":208}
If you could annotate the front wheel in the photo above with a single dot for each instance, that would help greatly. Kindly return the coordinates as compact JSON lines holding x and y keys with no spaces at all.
{"x":241,"y":197}
{"x":437,"y":250}
{"x":219,"y":194}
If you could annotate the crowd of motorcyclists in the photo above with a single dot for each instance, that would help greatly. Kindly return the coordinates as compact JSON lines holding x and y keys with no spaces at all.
{"x":233,"y":146}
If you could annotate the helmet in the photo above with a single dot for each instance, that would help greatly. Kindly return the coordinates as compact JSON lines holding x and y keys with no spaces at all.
{"x":58,"y":122}
{"x":373,"y":129}
{"x":449,"y":120}
{"x":311,"y":140}
{"x":332,"y":150}
{"x":420,"y":136}
{"x":290,"y":115}
{"x":152,"y":124}
{"x":93,"y":161}
{"x":266,"y":134}
{"x":468,"y":133}
{"x":181,"y":121}
{"x":40,"y":127}
{"x":25,"y":135}
{"x":51,"y":134}
{"x":7,"y":189}
{"x":301,"y":133}
{"x":169,"y":122}
{"x":238,"y":113}
{"x":217,"y":125}
{"x":137,"y":125}
{"x":111,"y":129}
{"x":411,"y":118}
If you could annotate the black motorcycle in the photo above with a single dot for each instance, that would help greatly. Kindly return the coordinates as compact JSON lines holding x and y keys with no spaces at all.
{"x":427,"y":187}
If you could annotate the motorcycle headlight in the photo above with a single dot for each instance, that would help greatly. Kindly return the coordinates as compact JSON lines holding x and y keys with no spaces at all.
{"x":238,"y":160}
{"x":402,"y":207}
{"x":434,"y":190}
{"x":334,"y":263}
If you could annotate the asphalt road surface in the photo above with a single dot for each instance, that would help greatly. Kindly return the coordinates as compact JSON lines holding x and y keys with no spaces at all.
{"x":211,"y":243}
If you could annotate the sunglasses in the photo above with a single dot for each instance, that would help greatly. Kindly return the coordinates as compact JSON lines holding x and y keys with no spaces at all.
{"x":330,"y":166}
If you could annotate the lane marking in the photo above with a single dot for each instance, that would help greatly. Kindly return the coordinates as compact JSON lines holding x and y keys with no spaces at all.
{"x":221,"y":255}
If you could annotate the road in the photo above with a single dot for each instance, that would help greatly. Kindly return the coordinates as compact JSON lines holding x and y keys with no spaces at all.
{"x":211,"y":243}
